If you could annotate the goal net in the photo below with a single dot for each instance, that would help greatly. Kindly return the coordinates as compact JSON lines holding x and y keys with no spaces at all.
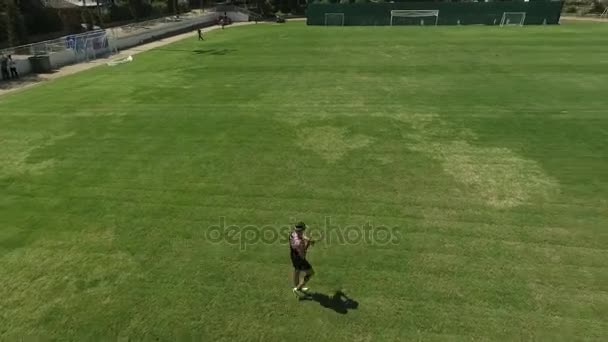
{"x":513,"y":18}
{"x":414,"y":17}
{"x":334,"y":19}
{"x":91,"y":45}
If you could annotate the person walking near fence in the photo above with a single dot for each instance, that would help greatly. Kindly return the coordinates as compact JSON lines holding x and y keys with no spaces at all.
{"x":4,"y":67}
{"x":12,"y":65}
{"x":200,"y":34}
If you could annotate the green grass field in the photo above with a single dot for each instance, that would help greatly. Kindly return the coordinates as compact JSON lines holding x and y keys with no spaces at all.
{"x":482,"y":150}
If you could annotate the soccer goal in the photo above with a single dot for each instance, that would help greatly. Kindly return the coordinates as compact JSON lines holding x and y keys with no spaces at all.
{"x":604,"y":14}
{"x":414,"y":17}
{"x":334,"y":19}
{"x":513,"y":18}
{"x":92,"y":45}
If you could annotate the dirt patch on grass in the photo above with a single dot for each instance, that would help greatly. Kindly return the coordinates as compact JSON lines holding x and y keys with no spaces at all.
{"x":17,"y":150}
{"x":497,"y":175}
{"x":332,"y":143}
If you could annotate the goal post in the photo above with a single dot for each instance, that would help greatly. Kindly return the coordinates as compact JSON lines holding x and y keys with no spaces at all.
{"x":414,"y":17}
{"x":513,"y":18}
{"x":92,"y":45}
{"x":334,"y":19}
{"x":604,"y":14}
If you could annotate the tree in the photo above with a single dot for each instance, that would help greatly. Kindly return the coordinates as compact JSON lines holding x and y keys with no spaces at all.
{"x":172,"y":6}
{"x":265,"y":7}
{"x":597,"y":7}
{"x":99,"y":15}
{"x":12,"y":22}
{"x":137,"y":8}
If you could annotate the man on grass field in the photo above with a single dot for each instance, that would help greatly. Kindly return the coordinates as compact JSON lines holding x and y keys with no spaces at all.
{"x":298,"y":245}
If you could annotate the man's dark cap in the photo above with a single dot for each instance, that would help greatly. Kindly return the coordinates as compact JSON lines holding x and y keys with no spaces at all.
{"x":300,"y":226}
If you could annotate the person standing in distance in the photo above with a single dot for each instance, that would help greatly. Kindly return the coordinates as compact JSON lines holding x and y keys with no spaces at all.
{"x":298,"y":245}
{"x":12,"y":67}
{"x":200,"y":34}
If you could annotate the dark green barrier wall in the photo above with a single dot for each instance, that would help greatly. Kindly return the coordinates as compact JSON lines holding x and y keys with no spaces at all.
{"x":488,"y":13}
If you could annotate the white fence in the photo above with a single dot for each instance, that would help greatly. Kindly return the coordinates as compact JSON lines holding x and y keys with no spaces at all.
{"x":86,"y":46}
{"x":137,"y":33}
{"x":61,"y":51}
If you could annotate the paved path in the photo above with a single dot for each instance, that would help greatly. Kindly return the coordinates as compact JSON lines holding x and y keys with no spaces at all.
{"x":599,"y":20}
{"x":33,"y":80}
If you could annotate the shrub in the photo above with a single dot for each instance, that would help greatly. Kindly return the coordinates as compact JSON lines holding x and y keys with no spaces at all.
{"x":183,"y":6}
{"x":71,"y":19}
{"x":158,"y":8}
{"x":597,"y":7}
{"x":119,"y":13}
{"x":266,"y":7}
{"x":42,"y":20}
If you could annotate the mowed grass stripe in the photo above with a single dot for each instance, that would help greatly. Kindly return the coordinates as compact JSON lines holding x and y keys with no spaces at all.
{"x":461,"y":222}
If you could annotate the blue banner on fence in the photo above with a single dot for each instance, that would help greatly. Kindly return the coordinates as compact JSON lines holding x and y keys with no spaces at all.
{"x":70,"y":42}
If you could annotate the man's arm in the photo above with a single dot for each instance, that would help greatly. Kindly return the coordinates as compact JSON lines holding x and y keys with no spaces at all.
{"x":308,"y":242}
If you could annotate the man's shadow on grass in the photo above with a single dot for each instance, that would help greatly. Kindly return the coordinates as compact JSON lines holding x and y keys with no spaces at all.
{"x":213,"y":52}
{"x":339,"y":302}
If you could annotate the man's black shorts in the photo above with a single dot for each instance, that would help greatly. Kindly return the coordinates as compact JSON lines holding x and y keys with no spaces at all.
{"x":300,"y":263}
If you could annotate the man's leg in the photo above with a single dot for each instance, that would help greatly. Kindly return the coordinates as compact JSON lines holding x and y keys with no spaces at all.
{"x":309,"y":273}
{"x":296,"y":278}
{"x":296,"y":282}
